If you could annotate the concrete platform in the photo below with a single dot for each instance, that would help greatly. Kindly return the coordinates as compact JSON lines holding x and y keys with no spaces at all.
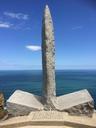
{"x":73,"y":99}
{"x":79,"y":102}
{"x":22,"y":103}
{"x":49,"y":119}
{"x":76,"y":103}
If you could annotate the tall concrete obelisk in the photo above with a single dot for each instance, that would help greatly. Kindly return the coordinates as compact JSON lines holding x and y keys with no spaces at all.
{"x":48,"y":58}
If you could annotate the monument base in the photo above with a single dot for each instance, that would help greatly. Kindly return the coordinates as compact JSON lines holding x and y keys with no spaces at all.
{"x":77,"y":103}
{"x":22,"y":103}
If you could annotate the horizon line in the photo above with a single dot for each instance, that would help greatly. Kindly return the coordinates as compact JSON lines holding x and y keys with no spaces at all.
{"x":40,"y":69}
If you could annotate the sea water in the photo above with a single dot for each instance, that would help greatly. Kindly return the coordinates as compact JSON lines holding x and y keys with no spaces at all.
{"x":67,"y":81}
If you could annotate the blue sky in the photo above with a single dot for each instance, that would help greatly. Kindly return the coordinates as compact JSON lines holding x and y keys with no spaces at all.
{"x":21,"y":26}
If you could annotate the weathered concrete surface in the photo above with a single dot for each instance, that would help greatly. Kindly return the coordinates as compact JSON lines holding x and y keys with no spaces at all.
{"x":76,"y":103}
{"x":22,"y":103}
{"x":50,"y":118}
{"x":48,"y":58}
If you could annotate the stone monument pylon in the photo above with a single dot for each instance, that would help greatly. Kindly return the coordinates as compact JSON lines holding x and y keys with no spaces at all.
{"x":48,"y":58}
{"x":76,"y":103}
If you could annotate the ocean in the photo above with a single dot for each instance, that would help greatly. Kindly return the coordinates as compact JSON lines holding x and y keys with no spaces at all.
{"x":67,"y":81}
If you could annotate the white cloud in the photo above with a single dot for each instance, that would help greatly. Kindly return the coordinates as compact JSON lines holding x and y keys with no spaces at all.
{"x":77,"y":27}
{"x":33,"y":47}
{"x":19,"y":16}
{"x":20,"y":26}
{"x":5,"y":25}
